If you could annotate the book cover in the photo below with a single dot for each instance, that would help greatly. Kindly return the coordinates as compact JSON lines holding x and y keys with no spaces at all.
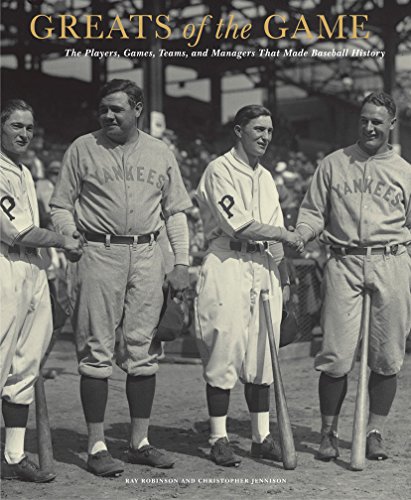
{"x":311,"y":63}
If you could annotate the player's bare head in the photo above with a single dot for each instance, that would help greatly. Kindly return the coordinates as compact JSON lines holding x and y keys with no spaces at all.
{"x":253,"y":129}
{"x":14,"y":105}
{"x":133,"y":91}
{"x":382,"y":99}
{"x":121,"y":104}
{"x":17,"y":127}
{"x":248,"y":113}
{"x":377,"y":119}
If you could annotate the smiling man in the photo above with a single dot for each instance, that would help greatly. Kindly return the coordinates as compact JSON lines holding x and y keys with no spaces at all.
{"x":244,"y":226}
{"x":25,"y":308}
{"x":359,"y":203}
{"x":117,"y":186}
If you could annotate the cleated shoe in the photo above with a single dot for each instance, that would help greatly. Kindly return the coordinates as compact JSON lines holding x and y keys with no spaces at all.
{"x":375,"y":450}
{"x":328,"y":447}
{"x":26,"y":470}
{"x":148,"y":455}
{"x":103,"y":464}
{"x":268,"y":449}
{"x":222,"y":454}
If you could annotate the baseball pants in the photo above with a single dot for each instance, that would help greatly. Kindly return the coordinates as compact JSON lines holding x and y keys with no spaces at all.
{"x":230,"y":323}
{"x":389,"y":279}
{"x":26,"y":324}
{"x":117,"y":288}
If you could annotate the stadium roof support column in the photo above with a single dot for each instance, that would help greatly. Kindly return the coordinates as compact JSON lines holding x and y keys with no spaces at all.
{"x":390,"y":39}
{"x":269,"y":85}
{"x":99,"y":66}
{"x":153,"y":68}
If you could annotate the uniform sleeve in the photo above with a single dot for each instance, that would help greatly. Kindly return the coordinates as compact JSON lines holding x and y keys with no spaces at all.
{"x":314,"y":207}
{"x":68,"y":184}
{"x":224,"y":201}
{"x":14,"y":220}
{"x":175,"y":196}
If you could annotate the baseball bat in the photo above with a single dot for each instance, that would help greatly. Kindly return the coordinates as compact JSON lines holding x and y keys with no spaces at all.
{"x":283,"y":419}
{"x":44,"y":442}
{"x":357,"y":461}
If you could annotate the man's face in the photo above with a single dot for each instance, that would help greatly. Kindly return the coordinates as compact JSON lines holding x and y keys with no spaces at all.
{"x":118,"y":119}
{"x":255,"y":136}
{"x":17,"y":132}
{"x":374,"y":128}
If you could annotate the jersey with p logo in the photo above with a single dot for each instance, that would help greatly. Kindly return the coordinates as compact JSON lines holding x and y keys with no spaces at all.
{"x":231,"y":195}
{"x":18,"y":203}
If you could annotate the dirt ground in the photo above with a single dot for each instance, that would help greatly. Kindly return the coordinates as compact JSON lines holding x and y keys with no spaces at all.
{"x":179,"y":425}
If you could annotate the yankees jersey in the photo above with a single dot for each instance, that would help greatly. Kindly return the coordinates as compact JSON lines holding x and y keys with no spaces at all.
{"x":359,"y":200}
{"x":18,"y":202}
{"x":120,"y":189}
{"x":231,"y":195}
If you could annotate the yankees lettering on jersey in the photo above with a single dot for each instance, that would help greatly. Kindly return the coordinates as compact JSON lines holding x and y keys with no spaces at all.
{"x":115,"y":173}
{"x":377,"y":188}
{"x":18,"y":202}
{"x":120,"y":189}
{"x":359,"y":200}
{"x":231,"y":195}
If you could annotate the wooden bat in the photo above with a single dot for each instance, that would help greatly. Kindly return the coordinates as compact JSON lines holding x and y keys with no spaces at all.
{"x":284,"y":424}
{"x":357,"y":461}
{"x":44,"y":441}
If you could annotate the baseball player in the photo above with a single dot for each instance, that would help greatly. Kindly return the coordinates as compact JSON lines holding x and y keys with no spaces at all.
{"x":359,"y":202}
{"x":117,"y":186}
{"x":26,"y":321}
{"x":243,"y":224}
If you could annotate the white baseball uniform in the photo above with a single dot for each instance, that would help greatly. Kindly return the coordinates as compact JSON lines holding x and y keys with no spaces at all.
{"x":230,"y":323}
{"x":26,"y":320}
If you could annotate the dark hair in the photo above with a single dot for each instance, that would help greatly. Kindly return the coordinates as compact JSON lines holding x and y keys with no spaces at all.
{"x":133,"y":91}
{"x":382,"y":99}
{"x":248,"y":113}
{"x":14,"y":105}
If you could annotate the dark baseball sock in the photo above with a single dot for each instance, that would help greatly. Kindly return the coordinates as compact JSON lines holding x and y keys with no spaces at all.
{"x":382,"y":391}
{"x":140,"y":392}
{"x":332,"y":391}
{"x":257,"y":397}
{"x":217,"y":401}
{"x":93,"y":393}
{"x":15,"y":415}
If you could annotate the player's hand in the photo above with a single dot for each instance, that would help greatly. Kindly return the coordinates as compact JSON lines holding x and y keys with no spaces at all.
{"x":178,"y":278}
{"x":294,"y":240}
{"x":74,"y":246}
{"x":286,"y":294}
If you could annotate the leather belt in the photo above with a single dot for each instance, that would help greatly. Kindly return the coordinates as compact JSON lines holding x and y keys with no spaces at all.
{"x":121,"y":240}
{"x":242,"y":246}
{"x":388,"y":250}
{"x":19,"y":248}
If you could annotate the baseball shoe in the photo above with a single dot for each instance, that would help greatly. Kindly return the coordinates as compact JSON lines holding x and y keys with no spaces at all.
{"x":103,"y":464}
{"x":222,"y":454}
{"x":25,"y":470}
{"x":268,"y":449}
{"x":148,"y":455}
{"x":375,"y":451}
{"x":328,"y":447}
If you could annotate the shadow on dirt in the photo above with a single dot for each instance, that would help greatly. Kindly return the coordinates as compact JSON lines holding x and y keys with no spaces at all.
{"x":70,"y":446}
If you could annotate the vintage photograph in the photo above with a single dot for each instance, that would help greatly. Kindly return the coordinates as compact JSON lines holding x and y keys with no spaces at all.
{"x":205,"y":256}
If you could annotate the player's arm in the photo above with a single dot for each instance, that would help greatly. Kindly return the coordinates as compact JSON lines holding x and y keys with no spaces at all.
{"x":33,"y":236}
{"x":312,"y":214}
{"x":258,"y":231}
{"x":177,"y":232}
{"x":43,"y":238}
